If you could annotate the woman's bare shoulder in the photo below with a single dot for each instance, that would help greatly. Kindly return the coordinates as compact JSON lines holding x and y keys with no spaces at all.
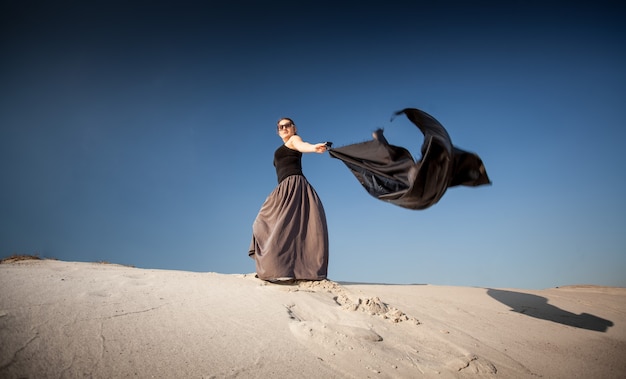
{"x":293,"y":142}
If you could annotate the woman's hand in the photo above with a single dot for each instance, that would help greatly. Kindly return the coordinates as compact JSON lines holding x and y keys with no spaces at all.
{"x":320,"y":147}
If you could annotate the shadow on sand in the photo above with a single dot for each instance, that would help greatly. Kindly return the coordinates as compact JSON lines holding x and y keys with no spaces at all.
{"x":538,"y":307}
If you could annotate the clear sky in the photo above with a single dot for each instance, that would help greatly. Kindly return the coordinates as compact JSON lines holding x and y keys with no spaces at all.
{"x":143,"y":132}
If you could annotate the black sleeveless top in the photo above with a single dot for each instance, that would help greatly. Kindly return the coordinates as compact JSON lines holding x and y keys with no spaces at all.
{"x":287,"y":162}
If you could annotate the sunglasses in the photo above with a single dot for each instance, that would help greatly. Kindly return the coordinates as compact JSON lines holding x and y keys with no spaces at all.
{"x":285,"y":126}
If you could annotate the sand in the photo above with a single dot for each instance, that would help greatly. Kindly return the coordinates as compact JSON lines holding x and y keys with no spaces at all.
{"x":71,"y":319}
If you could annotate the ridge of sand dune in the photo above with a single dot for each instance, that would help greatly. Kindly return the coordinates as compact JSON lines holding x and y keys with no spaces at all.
{"x":71,"y":319}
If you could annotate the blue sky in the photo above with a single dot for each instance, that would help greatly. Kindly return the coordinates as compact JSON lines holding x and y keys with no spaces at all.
{"x":143,"y":133}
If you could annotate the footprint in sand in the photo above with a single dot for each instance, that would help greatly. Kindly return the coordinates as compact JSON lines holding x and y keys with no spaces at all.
{"x":472,"y":364}
{"x":325,"y":330}
{"x":344,"y":343}
{"x":339,"y":327}
{"x":345,"y":331}
{"x":373,"y":306}
{"x":320,"y":319}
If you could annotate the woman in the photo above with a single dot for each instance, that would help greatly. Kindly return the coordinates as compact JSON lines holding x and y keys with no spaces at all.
{"x":290,"y":235}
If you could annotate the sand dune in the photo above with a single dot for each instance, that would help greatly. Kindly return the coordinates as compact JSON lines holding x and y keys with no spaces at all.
{"x":70,"y":319}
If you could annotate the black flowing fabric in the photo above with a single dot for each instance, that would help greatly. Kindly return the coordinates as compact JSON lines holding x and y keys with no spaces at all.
{"x":390,"y":173}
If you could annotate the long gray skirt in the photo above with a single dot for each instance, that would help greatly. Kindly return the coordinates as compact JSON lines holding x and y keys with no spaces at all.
{"x":290,"y":235}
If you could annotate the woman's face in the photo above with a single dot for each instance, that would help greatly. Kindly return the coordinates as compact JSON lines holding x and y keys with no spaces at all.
{"x":286,"y":129}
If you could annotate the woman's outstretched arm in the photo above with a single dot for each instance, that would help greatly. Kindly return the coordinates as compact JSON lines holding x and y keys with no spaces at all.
{"x":295,"y":142}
